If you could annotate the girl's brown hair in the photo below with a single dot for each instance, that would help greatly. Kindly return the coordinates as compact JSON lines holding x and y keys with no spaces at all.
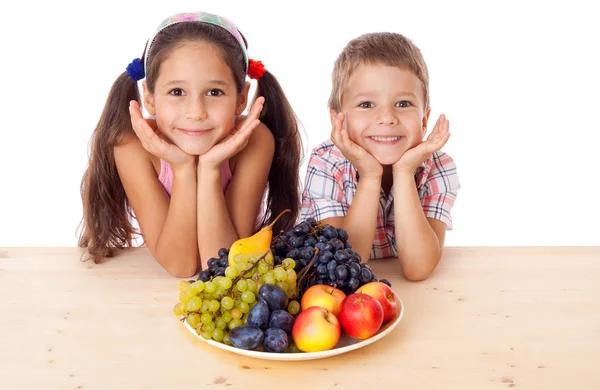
{"x":107,"y":214}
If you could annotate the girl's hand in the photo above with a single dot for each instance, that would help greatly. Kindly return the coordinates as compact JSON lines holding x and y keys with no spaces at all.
{"x":363,"y":161}
{"x":153,"y":140}
{"x":234,"y":142}
{"x":411,"y":159}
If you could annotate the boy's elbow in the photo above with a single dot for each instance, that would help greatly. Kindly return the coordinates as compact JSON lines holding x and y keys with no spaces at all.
{"x":420,"y":273}
{"x":415,"y":276}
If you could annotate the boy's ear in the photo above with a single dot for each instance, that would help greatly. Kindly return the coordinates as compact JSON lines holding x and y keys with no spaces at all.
{"x":242,"y":99}
{"x":148,"y":100}
{"x":332,"y":115}
{"x":425,"y":120}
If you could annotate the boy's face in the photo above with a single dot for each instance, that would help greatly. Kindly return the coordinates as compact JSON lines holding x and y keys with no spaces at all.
{"x":384,"y":109}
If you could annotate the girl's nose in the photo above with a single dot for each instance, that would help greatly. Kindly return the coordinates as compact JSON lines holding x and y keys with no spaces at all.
{"x":196,"y":110}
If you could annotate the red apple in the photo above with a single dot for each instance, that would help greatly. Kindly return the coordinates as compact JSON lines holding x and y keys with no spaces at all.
{"x":323,"y":296}
{"x":384,"y":295}
{"x":361,"y":316}
{"x":316,"y":329}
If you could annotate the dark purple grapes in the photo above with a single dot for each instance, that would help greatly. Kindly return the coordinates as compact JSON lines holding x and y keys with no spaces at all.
{"x":341,"y":272}
{"x":366,"y":275}
{"x":354,"y":269}
{"x":342,"y":234}
{"x":322,"y":269}
{"x":331,"y":266}
{"x":297,"y":242}
{"x":307,"y":252}
{"x":275,"y":297}
{"x":246,"y":336}
{"x":337,"y":244}
{"x":336,"y":263}
{"x":220,"y":271}
{"x":330,"y":232}
{"x":283,"y":320}
{"x":325,"y":257}
{"x":223,"y":252}
{"x":342,"y":256}
{"x":294,"y":254}
{"x":204,"y":275}
{"x":276,"y":340}
{"x":353,"y":283}
{"x":311,"y":241}
{"x":386,"y":282}
{"x":259,"y":315}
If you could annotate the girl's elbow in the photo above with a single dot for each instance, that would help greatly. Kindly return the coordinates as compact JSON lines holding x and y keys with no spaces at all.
{"x":183,"y":272}
{"x":185,"y":269}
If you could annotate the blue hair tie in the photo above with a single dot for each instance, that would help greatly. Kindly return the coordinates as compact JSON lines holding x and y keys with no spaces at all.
{"x":135,"y":69}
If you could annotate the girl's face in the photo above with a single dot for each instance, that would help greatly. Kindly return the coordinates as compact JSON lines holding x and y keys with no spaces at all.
{"x":195,"y":99}
{"x":384,"y":111}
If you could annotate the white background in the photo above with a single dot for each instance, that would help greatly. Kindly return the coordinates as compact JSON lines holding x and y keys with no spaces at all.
{"x":519,"y":82}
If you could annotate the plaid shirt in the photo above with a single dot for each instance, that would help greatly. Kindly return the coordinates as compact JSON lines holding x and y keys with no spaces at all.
{"x":331,"y":182}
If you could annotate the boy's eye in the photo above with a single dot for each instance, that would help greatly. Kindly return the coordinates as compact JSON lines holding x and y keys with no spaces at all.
{"x":404,"y":103}
{"x":176,"y":92}
{"x":215,"y":92}
{"x":366,"y":105}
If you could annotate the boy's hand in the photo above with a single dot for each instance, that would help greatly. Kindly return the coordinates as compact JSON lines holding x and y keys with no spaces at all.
{"x":153,"y":140}
{"x":411,"y":159}
{"x":234,"y":142}
{"x":363,"y":161}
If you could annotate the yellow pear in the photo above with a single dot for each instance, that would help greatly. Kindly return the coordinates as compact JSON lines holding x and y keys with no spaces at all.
{"x":258,"y":243}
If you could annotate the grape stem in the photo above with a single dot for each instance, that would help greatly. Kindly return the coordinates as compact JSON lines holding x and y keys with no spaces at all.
{"x":243,"y":273}
{"x":305,"y":269}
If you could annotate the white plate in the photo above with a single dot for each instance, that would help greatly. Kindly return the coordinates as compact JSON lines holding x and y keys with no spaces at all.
{"x":346,"y":343}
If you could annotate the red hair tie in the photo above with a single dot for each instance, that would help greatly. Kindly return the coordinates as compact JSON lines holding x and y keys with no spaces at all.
{"x":255,"y":69}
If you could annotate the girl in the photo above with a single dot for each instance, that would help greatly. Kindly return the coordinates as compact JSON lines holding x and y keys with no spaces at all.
{"x":196,"y":176}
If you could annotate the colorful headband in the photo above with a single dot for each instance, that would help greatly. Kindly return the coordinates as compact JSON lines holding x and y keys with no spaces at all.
{"x":199,"y":17}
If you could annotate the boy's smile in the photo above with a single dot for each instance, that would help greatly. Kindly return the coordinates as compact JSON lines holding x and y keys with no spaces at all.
{"x":384,"y":109}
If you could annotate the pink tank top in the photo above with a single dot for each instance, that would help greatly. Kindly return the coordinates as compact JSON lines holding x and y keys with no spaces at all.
{"x":166,"y":176}
{"x":166,"y":179}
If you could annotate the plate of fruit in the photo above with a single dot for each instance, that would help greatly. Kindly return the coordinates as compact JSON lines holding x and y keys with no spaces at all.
{"x":302,"y":295}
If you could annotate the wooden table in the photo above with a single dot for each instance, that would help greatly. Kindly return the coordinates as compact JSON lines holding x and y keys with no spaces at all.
{"x":489,"y":318}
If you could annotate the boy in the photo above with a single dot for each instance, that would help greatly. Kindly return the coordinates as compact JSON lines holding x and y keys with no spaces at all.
{"x":376,"y":177}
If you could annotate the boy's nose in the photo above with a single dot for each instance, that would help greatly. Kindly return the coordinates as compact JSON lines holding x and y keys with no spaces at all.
{"x":386,"y":117}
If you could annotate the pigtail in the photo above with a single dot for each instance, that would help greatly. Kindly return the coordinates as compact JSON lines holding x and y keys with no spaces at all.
{"x":284,"y":181}
{"x":106,"y":211}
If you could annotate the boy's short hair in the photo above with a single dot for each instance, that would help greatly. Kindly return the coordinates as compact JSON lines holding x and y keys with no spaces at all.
{"x":377,"y":48}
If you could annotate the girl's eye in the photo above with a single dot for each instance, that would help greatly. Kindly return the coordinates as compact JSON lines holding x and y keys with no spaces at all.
{"x":404,"y":103}
{"x":366,"y":105}
{"x":176,"y":92}
{"x":215,"y":92}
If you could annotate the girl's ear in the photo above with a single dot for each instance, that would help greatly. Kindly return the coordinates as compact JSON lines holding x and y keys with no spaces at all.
{"x":148,"y":100}
{"x":425,"y":120}
{"x":242,"y":99}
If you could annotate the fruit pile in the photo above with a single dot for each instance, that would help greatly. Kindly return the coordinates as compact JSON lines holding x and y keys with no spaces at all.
{"x":222,"y":303}
{"x":295,"y":292}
